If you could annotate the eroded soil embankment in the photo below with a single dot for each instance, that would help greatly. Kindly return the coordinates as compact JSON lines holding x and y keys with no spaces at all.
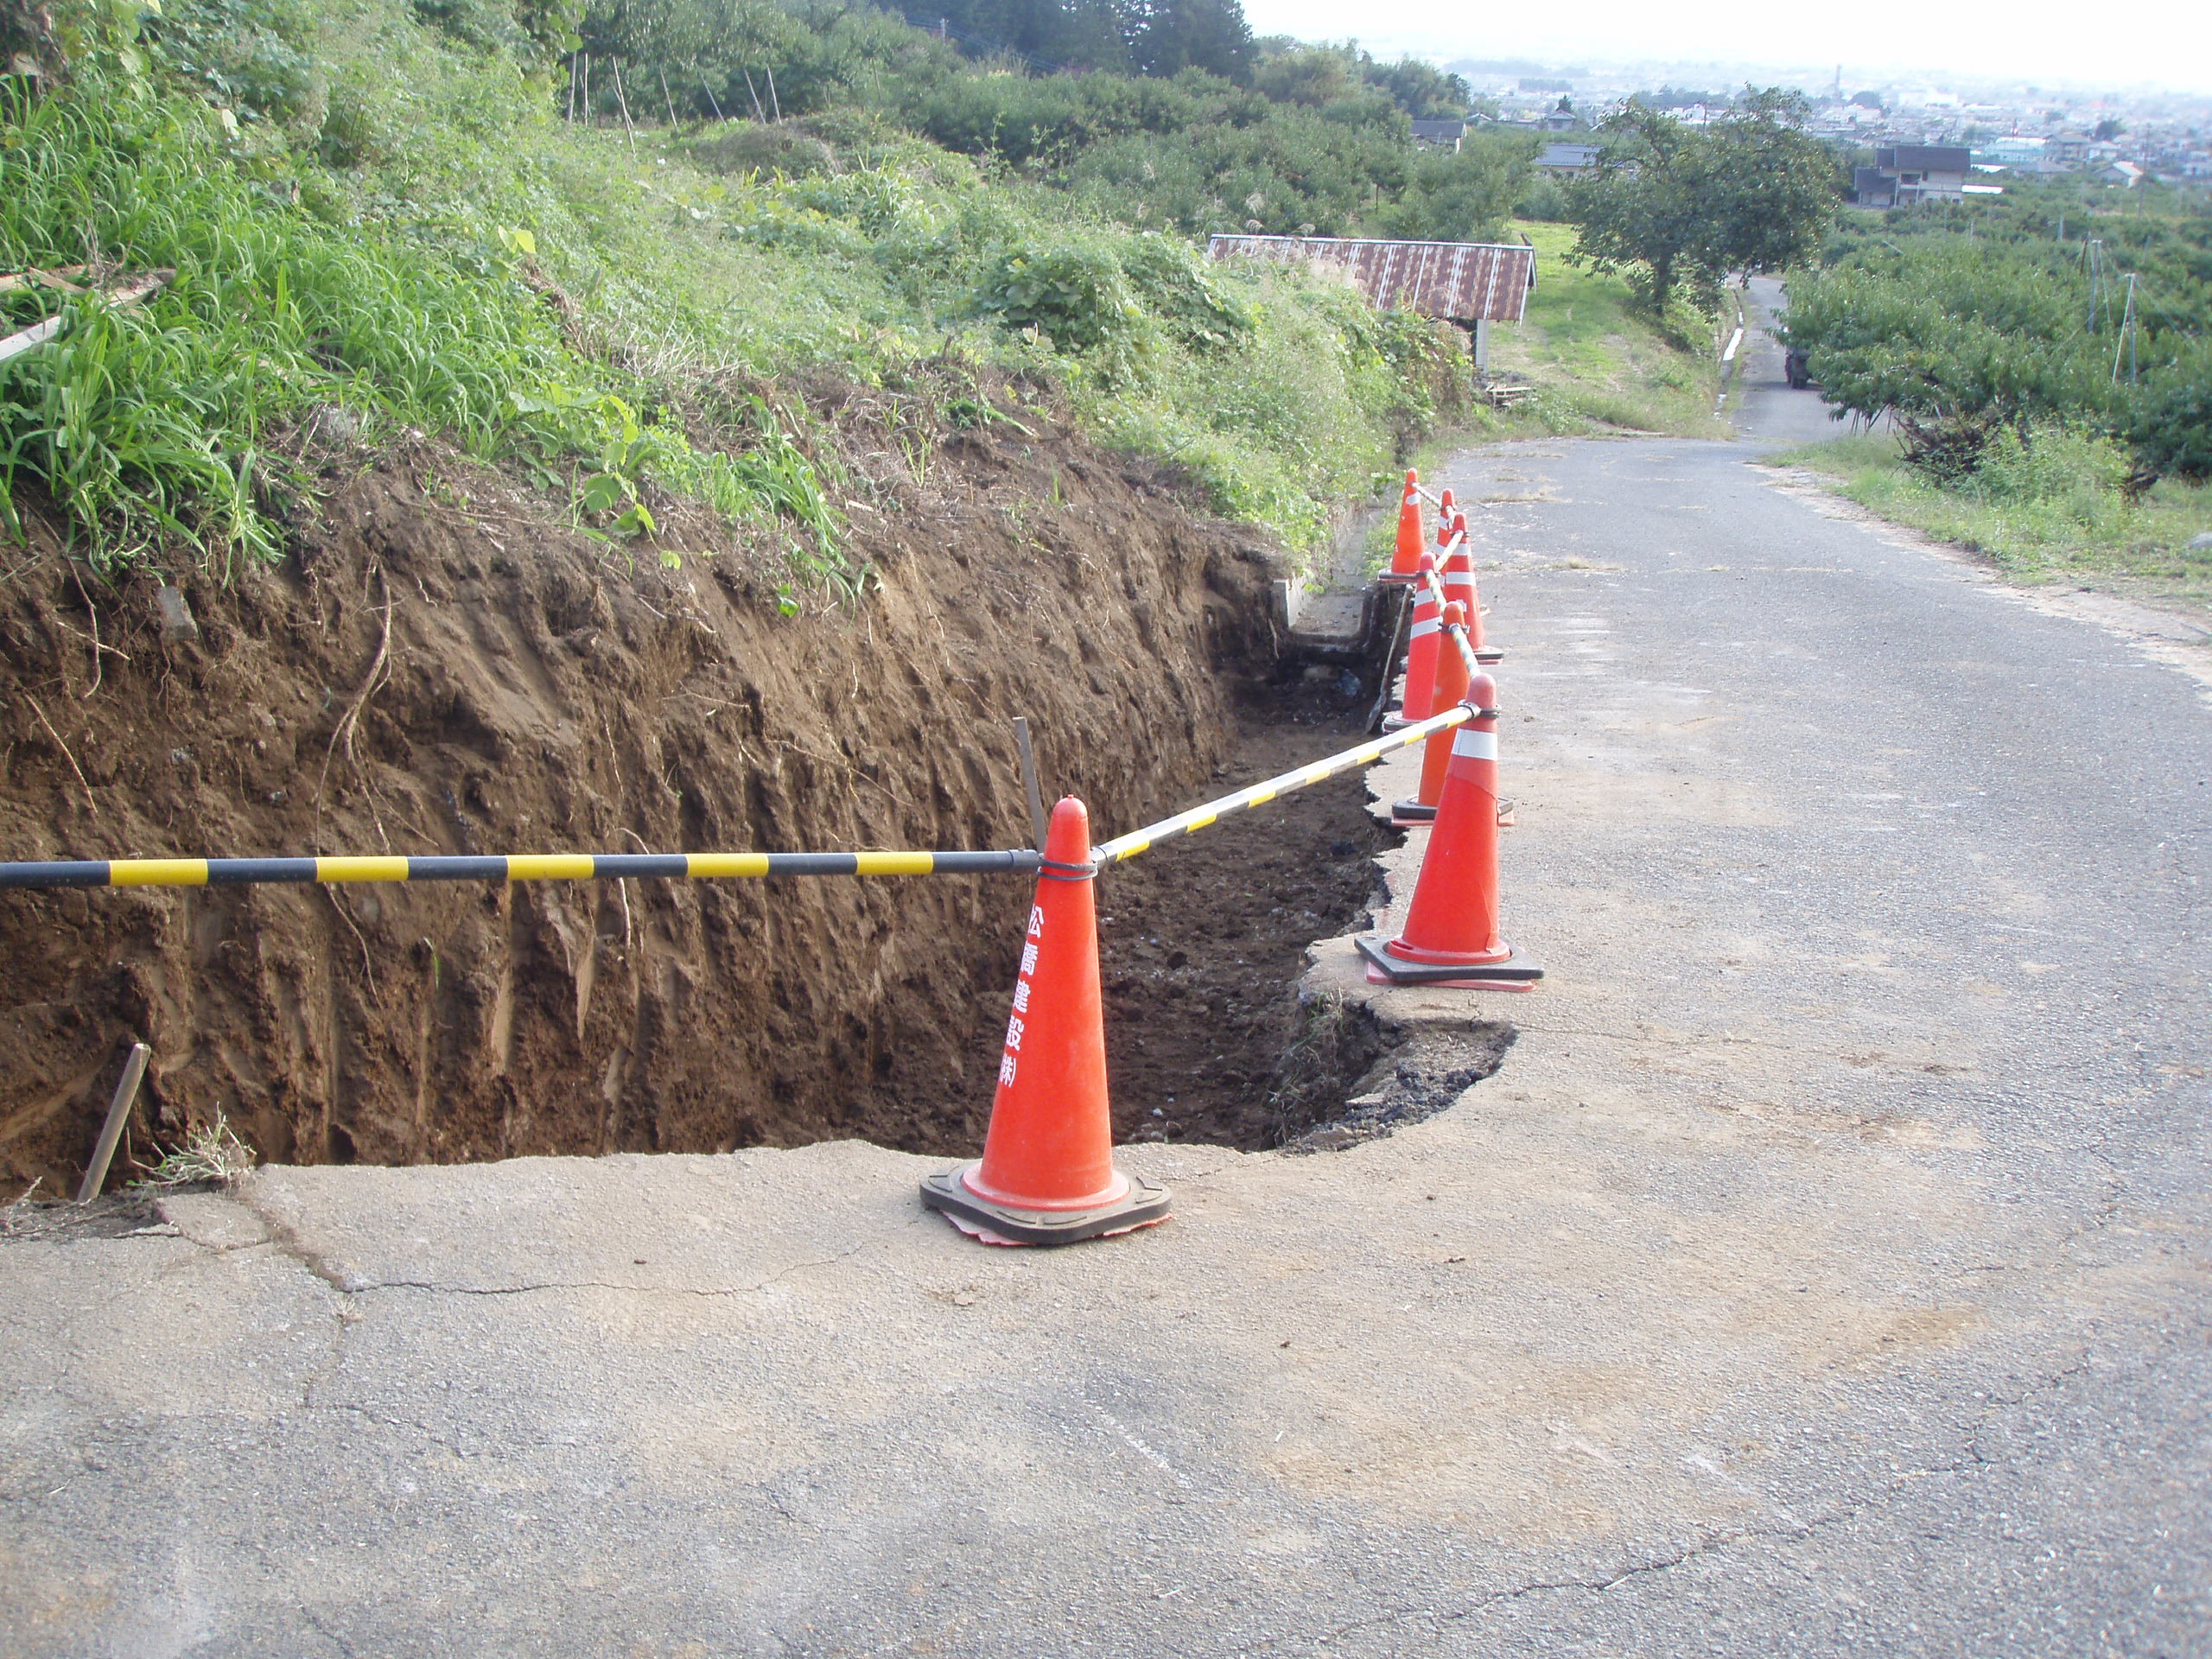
{"x":438,"y":669}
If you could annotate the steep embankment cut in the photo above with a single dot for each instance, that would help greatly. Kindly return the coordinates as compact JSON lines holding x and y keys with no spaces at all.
{"x":437,"y":666}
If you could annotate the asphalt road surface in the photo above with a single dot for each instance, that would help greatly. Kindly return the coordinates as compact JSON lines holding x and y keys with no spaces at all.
{"x":1766,"y":409}
{"x":1824,"y":1272}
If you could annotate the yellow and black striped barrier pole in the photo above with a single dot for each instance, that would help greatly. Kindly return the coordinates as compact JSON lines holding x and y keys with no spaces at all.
{"x":607,"y":867}
{"x":1184,"y":823}
{"x":514,"y":866}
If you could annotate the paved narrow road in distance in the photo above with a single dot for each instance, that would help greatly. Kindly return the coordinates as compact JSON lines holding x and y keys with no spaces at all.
{"x":1824,"y":1273}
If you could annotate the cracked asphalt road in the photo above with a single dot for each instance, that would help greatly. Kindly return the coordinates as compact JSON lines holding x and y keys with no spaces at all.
{"x":1825,"y":1271}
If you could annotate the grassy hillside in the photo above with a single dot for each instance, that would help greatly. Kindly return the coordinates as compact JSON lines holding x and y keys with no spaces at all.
{"x":374,"y":220}
{"x":1597,"y":356}
{"x":1598,"y":363}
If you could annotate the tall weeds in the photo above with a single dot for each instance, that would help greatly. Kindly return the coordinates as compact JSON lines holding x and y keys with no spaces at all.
{"x":149,"y":427}
{"x":382,"y":236}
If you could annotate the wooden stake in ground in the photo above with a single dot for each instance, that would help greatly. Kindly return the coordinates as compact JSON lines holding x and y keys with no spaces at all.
{"x":666,"y":100}
{"x":118,"y":1114}
{"x":128,"y":292}
{"x":1038,"y":821}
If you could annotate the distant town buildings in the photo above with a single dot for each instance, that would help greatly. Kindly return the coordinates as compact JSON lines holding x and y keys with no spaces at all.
{"x":2003,"y":133}
{"x":2018,"y":153}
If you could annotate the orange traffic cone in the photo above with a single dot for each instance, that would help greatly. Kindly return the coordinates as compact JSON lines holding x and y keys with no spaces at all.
{"x":1459,"y":584}
{"x":1436,"y":749}
{"x":1405,"y":560}
{"x":1047,"y":1174}
{"x":1444,"y":511}
{"x":1451,"y":933}
{"x":1420,"y":650}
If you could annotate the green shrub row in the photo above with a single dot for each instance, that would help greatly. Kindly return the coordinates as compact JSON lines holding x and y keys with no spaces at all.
{"x":1998,"y":326}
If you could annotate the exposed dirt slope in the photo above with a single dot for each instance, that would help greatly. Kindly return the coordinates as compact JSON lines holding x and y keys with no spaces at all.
{"x":536,"y":693}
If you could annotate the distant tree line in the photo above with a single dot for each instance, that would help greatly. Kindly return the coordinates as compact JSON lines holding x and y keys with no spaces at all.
{"x":1130,"y":37}
{"x":1180,"y":119}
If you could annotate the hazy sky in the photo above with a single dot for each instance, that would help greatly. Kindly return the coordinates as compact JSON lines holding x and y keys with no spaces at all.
{"x":2165,"y":42}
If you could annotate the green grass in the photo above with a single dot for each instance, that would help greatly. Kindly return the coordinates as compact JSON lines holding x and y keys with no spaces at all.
{"x":160,"y":431}
{"x":1599,"y":364}
{"x":384,"y":238}
{"x":1600,"y":360}
{"x":2050,"y":510}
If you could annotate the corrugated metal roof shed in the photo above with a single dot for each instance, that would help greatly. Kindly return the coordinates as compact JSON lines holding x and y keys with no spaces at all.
{"x":1467,"y":282}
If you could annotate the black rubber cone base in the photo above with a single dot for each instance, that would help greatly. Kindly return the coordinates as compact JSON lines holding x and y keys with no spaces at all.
{"x":1487,"y":654}
{"x":1516,"y":972}
{"x":1144,"y":1204}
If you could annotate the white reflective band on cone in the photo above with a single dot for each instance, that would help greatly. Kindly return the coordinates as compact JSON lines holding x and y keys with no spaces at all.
{"x":1429,"y":626}
{"x":1476,"y":745}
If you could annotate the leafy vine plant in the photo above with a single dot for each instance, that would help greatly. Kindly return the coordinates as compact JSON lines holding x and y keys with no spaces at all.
{"x":605,"y":430}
